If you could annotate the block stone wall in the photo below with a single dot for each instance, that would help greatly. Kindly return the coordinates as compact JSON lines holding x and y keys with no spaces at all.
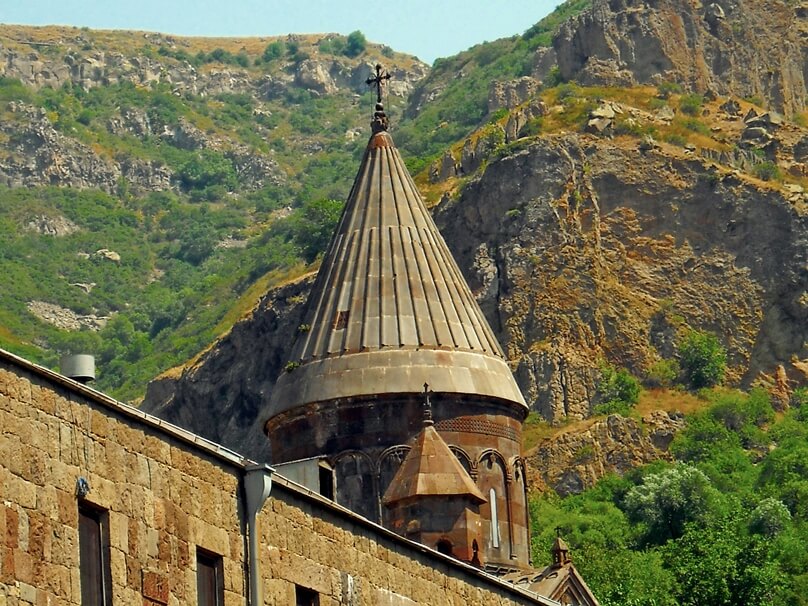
{"x":168,"y":493}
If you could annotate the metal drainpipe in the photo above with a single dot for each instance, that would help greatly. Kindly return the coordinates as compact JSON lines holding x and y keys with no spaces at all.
{"x":257,"y":486}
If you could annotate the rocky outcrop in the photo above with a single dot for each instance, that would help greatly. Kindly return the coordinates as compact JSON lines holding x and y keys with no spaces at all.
{"x":511,"y":93}
{"x":313,"y":75}
{"x":745,"y":47}
{"x":573,"y":461}
{"x":41,"y":155}
{"x":95,"y":67}
{"x":51,"y":226}
{"x":232,"y":380}
{"x":64,"y":318}
{"x":594,"y":251}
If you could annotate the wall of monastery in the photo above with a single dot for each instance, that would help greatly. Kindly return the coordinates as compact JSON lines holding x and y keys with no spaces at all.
{"x":168,"y":493}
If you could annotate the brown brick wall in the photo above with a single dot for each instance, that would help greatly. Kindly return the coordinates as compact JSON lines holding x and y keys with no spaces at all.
{"x":165,"y":498}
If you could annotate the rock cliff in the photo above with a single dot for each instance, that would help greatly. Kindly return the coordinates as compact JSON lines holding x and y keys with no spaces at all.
{"x":38,"y":150}
{"x":750,"y":48}
{"x":580,"y":249}
{"x":575,"y":460}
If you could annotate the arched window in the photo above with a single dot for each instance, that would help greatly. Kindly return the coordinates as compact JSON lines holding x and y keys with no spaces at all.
{"x":492,"y":499}
{"x":444,"y":546}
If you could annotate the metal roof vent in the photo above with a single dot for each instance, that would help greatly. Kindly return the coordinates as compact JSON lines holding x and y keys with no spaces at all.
{"x":79,"y":367}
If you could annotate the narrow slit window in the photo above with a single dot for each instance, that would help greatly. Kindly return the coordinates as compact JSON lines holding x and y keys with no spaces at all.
{"x":95,"y":573}
{"x":492,"y":498}
{"x":209,"y":581}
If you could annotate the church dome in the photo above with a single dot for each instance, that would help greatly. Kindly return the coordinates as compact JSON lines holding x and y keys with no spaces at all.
{"x":390,"y":309}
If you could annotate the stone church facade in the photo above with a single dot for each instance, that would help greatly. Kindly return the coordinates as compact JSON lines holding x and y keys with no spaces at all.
{"x":172,"y":507}
{"x":392,"y":323}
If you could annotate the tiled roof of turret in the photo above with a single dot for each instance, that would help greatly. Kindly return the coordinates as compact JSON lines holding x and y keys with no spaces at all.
{"x":430,"y":469}
{"x":390,"y":308}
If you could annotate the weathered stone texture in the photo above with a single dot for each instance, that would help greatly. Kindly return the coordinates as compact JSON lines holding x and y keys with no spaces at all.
{"x":166,"y":498}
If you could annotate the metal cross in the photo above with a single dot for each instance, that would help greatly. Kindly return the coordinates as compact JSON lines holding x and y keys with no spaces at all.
{"x":377,"y":81}
{"x":427,"y":405}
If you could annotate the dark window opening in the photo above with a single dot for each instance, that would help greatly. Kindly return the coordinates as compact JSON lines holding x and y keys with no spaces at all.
{"x":444,"y":546}
{"x":327,"y":483}
{"x":306,"y":597}
{"x":96,"y":576}
{"x":341,"y":321}
{"x":209,"y":579}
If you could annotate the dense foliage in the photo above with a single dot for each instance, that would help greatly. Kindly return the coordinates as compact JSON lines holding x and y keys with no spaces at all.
{"x":725,"y":524}
{"x":192,"y":258}
{"x":702,"y":359}
{"x":460,"y":86}
{"x":617,"y":390}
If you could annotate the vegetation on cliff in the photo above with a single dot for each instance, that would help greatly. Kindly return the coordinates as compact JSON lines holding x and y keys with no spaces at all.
{"x":725,"y":523}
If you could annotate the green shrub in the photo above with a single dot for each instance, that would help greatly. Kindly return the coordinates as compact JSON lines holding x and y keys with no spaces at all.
{"x":799,"y":399}
{"x":274,"y":50}
{"x":767,"y":171}
{"x":675,"y":139}
{"x":703,"y":359}
{"x":206,"y":168}
{"x":333,"y":46}
{"x":691,"y":104}
{"x":662,"y":373}
{"x":697,"y":126}
{"x":770,"y":517}
{"x":553,"y":77}
{"x":666,"y":89}
{"x":618,"y":390}
{"x":312,"y":226}
{"x":355,"y":44}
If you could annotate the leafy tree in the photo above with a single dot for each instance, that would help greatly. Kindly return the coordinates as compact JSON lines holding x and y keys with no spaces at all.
{"x":355,"y":44}
{"x":274,"y":50}
{"x":313,"y":224}
{"x":718,"y":565}
{"x":665,"y":502}
{"x":618,"y":390}
{"x":703,"y":359}
{"x":205,"y":168}
{"x":770,"y":517}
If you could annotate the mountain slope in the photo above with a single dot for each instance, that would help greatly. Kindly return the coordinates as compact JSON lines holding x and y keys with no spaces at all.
{"x":157,"y":184}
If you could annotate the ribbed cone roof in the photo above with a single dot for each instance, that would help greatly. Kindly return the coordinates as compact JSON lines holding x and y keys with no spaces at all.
{"x":430,"y":469}
{"x":390,"y":309}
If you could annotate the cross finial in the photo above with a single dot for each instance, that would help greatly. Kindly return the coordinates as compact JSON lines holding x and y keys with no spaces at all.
{"x":558,"y":531}
{"x":377,"y":81}
{"x":427,"y":406}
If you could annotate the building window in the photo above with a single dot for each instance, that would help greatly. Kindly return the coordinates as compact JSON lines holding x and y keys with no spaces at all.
{"x":306,"y":597}
{"x":96,"y":577}
{"x":444,"y":546}
{"x":492,"y":499}
{"x":209,"y":579}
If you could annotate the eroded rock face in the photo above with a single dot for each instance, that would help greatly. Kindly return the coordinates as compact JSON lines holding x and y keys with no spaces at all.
{"x":57,"y":226}
{"x":575,"y":460}
{"x":745,"y":47}
{"x":41,"y":155}
{"x":64,"y":318}
{"x":609,"y":253}
{"x":511,"y":93}
{"x":231,"y":382}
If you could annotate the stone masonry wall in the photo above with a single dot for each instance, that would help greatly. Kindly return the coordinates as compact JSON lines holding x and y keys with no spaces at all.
{"x":167,"y":493}
{"x":163,"y":501}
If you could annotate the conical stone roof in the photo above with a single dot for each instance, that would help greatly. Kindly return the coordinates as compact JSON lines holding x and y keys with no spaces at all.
{"x":390,"y":309}
{"x":430,"y":469}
